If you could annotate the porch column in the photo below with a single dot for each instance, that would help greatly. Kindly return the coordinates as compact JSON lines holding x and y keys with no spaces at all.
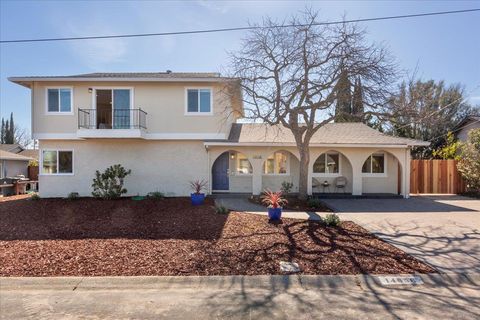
{"x":309,"y":181}
{"x":356,"y":179}
{"x":257,"y":176}
{"x":406,"y":174}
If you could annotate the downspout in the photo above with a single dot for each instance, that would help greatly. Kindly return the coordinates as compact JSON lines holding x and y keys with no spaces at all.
{"x":209,"y":172}
{"x":406,"y":181}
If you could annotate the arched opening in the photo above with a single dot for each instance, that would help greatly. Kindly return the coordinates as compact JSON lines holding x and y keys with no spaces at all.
{"x":279,"y":167}
{"x":232,"y":172}
{"x":332,"y":173}
{"x":382,"y":174}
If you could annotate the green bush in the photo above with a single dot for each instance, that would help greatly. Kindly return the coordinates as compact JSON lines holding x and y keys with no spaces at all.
{"x":35,"y":197}
{"x":109,"y":185}
{"x":286,"y":187}
{"x":331,"y":220}
{"x":156,"y":195}
{"x":73,"y":196}
{"x":221,"y":210}
{"x":314,"y":203}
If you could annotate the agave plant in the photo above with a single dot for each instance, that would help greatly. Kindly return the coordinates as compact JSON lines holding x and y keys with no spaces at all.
{"x":273,"y":199}
{"x":198,"y":185}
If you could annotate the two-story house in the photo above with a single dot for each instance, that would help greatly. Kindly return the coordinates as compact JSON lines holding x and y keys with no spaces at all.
{"x":171,"y":128}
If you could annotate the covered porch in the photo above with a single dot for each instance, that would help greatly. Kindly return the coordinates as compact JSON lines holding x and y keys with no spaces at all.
{"x":334,"y":171}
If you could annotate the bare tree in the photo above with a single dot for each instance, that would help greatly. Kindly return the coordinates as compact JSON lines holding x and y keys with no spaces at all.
{"x":22,"y":137}
{"x":289,"y":75}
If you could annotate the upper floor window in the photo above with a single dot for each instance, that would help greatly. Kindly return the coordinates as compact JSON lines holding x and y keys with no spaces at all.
{"x":57,"y":162}
{"x":328,"y":163}
{"x":59,"y":100}
{"x":375,"y":163}
{"x":199,"y":101}
{"x":276,"y":163}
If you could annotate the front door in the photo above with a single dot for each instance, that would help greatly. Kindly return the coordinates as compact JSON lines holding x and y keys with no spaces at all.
{"x":220,"y":173}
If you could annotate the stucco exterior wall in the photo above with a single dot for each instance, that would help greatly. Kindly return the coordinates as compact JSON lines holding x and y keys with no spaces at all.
{"x":165,"y":166}
{"x":165,"y":104}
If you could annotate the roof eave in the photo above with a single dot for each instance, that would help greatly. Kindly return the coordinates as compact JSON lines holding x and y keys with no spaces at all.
{"x":27,"y":80}
{"x":292,"y":144}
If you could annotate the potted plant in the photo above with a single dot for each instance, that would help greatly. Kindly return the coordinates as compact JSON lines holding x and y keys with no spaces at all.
{"x":197,"y":196}
{"x":274,"y":201}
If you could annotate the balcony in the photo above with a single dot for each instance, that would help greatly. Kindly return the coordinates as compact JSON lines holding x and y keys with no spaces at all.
{"x":111,"y":123}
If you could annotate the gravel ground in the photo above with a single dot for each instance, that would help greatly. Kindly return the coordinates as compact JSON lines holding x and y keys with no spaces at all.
{"x":88,"y":237}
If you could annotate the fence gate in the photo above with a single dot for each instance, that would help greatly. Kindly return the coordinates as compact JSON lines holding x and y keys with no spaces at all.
{"x":435,"y":176}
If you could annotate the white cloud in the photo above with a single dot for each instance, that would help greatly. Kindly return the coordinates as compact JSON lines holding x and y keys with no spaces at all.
{"x":217,"y":6}
{"x":96,"y":54}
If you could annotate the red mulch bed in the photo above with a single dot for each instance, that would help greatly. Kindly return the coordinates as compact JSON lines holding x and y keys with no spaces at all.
{"x":88,"y":237}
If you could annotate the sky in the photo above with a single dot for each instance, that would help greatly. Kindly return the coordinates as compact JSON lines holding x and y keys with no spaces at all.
{"x":440,"y":47}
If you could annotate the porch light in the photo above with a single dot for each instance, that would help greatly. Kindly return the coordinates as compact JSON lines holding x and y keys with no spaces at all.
{"x":90,"y":90}
{"x":232,"y":156}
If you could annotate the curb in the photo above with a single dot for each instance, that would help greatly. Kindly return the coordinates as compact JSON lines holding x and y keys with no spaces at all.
{"x":238,"y":282}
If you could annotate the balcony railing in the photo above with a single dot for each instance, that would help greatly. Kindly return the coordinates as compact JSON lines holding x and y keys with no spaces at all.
{"x":112,"y":119}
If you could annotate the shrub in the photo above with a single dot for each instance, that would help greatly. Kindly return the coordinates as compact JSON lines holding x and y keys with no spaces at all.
{"x":221,"y":210}
{"x":109,"y":185}
{"x":273,"y":199}
{"x":35,"y":197}
{"x":287,"y":187}
{"x":313,"y":203}
{"x":198,"y":185}
{"x":156,"y":195}
{"x":33,"y":163}
{"x":73,"y":196}
{"x":331,"y":220}
{"x":469,"y":164}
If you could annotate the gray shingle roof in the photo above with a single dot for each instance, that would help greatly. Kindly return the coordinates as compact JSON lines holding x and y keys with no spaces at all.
{"x":126,"y":76}
{"x":331,"y":133}
{"x":9,"y":147}
{"x":31,"y":153}
{"x":4,"y":155}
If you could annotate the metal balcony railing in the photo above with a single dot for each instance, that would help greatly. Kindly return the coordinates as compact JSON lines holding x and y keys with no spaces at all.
{"x":112,"y":119}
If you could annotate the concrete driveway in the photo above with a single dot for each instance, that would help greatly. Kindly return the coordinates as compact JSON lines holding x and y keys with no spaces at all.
{"x":443,"y":231}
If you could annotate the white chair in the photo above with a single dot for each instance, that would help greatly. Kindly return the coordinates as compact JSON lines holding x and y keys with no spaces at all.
{"x":340,"y":183}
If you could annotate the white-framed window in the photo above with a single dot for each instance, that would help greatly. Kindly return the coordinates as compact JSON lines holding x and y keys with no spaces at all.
{"x":277,"y":164}
{"x":327,"y":164}
{"x":59,"y":100}
{"x":375,"y":165}
{"x":57,"y":162}
{"x":198,"y":101}
{"x":243,"y":166}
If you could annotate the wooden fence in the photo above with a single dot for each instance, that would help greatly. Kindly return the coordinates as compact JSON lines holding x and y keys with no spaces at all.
{"x":435,"y":176}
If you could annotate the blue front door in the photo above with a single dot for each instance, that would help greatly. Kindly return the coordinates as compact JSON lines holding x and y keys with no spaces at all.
{"x":220,"y":173}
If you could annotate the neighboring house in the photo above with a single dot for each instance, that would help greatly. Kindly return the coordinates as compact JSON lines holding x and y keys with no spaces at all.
{"x":12,"y":164}
{"x":13,"y":148}
{"x":32,"y":153}
{"x":171,"y":128}
{"x":464,"y":127}
{"x":18,"y":149}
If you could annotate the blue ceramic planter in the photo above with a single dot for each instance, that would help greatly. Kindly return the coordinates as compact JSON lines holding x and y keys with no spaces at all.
{"x":274,"y":213}
{"x":197,"y":198}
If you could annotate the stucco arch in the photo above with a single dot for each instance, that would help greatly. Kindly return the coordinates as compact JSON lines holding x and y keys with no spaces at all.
{"x":224,"y":176}
{"x":273,"y":181}
{"x":394,"y":179}
{"x":345,"y":170}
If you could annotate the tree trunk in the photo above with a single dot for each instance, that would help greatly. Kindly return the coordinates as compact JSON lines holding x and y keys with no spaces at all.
{"x":304,"y":162}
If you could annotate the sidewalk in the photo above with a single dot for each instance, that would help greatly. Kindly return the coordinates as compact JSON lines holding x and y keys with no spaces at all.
{"x":239,"y":297}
